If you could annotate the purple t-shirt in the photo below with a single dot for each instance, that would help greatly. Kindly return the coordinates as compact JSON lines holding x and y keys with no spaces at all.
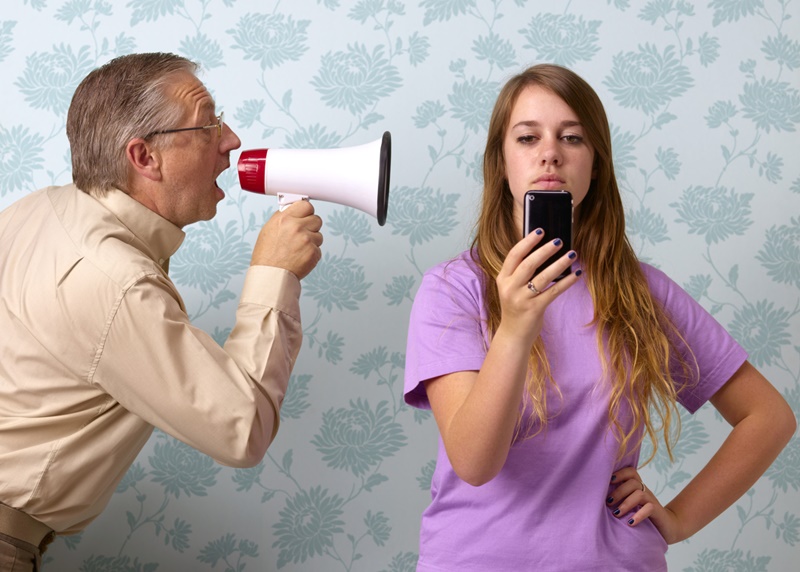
{"x":546,"y":509}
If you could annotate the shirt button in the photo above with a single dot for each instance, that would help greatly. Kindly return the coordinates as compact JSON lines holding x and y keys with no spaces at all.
{"x":161,"y":261}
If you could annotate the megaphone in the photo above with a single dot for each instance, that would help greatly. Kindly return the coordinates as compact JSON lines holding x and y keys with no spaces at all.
{"x":354,"y":176}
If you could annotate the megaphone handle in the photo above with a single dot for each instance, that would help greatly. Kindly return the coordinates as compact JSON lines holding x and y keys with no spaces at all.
{"x":286,"y":199}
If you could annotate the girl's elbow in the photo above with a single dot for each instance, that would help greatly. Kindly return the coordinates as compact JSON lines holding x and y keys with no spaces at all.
{"x":779,"y":426}
{"x":788,"y":424}
{"x":476,"y":480}
{"x":475,"y":475}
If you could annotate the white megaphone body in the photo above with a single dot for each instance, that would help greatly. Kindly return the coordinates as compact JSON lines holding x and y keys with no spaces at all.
{"x":357,"y":176}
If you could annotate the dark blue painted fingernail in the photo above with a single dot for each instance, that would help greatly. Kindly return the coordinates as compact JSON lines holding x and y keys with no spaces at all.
{"x":557,"y":242}
{"x":538,"y":231}
{"x":630,"y":521}
{"x":578,"y":273}
{"x":572,"y":254}
{"x":610,"y":500}
{"x":616,"y":512}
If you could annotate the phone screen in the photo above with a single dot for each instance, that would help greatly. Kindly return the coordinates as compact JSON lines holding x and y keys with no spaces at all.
{"x":552,"y":212}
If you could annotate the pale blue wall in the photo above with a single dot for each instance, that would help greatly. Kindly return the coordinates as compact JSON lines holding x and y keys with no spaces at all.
{"x":704,"y":99}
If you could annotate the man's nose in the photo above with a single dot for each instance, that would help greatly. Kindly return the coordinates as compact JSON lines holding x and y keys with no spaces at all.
{"x":230,"y":140}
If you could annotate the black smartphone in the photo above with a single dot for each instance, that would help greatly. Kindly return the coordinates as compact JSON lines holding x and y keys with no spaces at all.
{"x":552,"y":212}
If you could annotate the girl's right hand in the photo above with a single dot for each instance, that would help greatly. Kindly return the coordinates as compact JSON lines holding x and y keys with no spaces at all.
{"x":522,"y":308}
{"x":476,"y":411}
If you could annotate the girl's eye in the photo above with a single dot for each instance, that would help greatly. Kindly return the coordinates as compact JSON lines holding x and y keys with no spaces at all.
{"x":526,"y":139}
{"x":573,"y":138}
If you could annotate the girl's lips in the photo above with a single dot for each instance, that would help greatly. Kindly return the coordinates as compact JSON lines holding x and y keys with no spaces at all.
{"x":549,"y":177}
{"x":548,"y":184}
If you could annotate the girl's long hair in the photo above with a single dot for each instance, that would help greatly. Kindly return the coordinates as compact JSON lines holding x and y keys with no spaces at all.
{"x":637,"y":342}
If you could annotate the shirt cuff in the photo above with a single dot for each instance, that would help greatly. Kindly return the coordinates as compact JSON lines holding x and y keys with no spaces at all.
{"x":273,"y":287}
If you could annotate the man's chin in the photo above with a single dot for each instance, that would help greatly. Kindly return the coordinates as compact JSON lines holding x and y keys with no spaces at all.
{"x":208,"y":213}
{"x":212,"y":213}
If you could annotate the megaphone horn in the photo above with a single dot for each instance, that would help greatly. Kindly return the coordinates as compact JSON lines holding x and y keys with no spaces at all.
{"x":353,"y":176}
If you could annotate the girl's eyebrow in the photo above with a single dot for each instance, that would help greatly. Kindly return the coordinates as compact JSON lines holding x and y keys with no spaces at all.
{"x":534,"y":123}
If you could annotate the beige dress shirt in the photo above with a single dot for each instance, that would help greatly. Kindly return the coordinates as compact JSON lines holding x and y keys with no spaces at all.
{"x":96,"y":349}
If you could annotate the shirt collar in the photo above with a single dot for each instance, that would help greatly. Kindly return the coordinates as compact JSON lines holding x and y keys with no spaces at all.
{"x":156,"y":236}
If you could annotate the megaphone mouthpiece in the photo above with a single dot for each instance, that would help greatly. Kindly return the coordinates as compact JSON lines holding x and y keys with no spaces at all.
{"x":251,"y":168}
{"x":353,"y":176}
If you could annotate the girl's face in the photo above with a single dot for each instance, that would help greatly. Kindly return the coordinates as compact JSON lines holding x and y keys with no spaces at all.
{"x":545,"y":148}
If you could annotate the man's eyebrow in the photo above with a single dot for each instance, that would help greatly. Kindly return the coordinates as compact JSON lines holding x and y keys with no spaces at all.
{"x":210,"y":106}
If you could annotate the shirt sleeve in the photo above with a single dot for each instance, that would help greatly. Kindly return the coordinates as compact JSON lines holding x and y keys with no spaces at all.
{"x":707,"y":348}
{"x":446,"y":330}
{"x":223,"y":402}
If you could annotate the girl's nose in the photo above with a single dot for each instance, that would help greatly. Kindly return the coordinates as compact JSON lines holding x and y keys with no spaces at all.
{"x":550,"y":154}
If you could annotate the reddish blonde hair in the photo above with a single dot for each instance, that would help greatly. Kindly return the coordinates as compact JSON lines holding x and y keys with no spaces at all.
{"x":633,"y":329}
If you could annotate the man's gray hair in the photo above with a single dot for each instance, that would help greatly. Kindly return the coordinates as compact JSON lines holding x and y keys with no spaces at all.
{"x":119,"y":101}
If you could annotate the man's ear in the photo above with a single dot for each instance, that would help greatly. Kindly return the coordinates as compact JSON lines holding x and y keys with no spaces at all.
{"x":143,"y":160}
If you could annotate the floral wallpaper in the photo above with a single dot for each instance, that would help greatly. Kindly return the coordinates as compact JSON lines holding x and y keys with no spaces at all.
{"x":704,"y":100}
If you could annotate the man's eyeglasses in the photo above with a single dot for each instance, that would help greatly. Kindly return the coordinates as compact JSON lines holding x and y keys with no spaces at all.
{"x":218,"y":126}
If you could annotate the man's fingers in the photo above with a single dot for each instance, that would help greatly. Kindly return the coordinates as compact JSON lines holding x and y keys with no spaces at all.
{"x":299,"y":209}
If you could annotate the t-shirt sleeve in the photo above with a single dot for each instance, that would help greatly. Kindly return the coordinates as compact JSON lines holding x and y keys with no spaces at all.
{"x":446,"y":332}
{"x":223,"y":402}
{"x":711,"y":348}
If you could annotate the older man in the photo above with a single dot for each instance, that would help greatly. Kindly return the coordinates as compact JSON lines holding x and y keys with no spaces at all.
{"x":96,"y":346}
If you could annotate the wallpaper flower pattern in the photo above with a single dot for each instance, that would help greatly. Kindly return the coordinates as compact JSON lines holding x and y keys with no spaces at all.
{"x":704,"y":100}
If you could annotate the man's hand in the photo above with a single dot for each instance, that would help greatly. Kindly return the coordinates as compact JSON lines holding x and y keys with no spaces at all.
{"x":290,"y":239}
